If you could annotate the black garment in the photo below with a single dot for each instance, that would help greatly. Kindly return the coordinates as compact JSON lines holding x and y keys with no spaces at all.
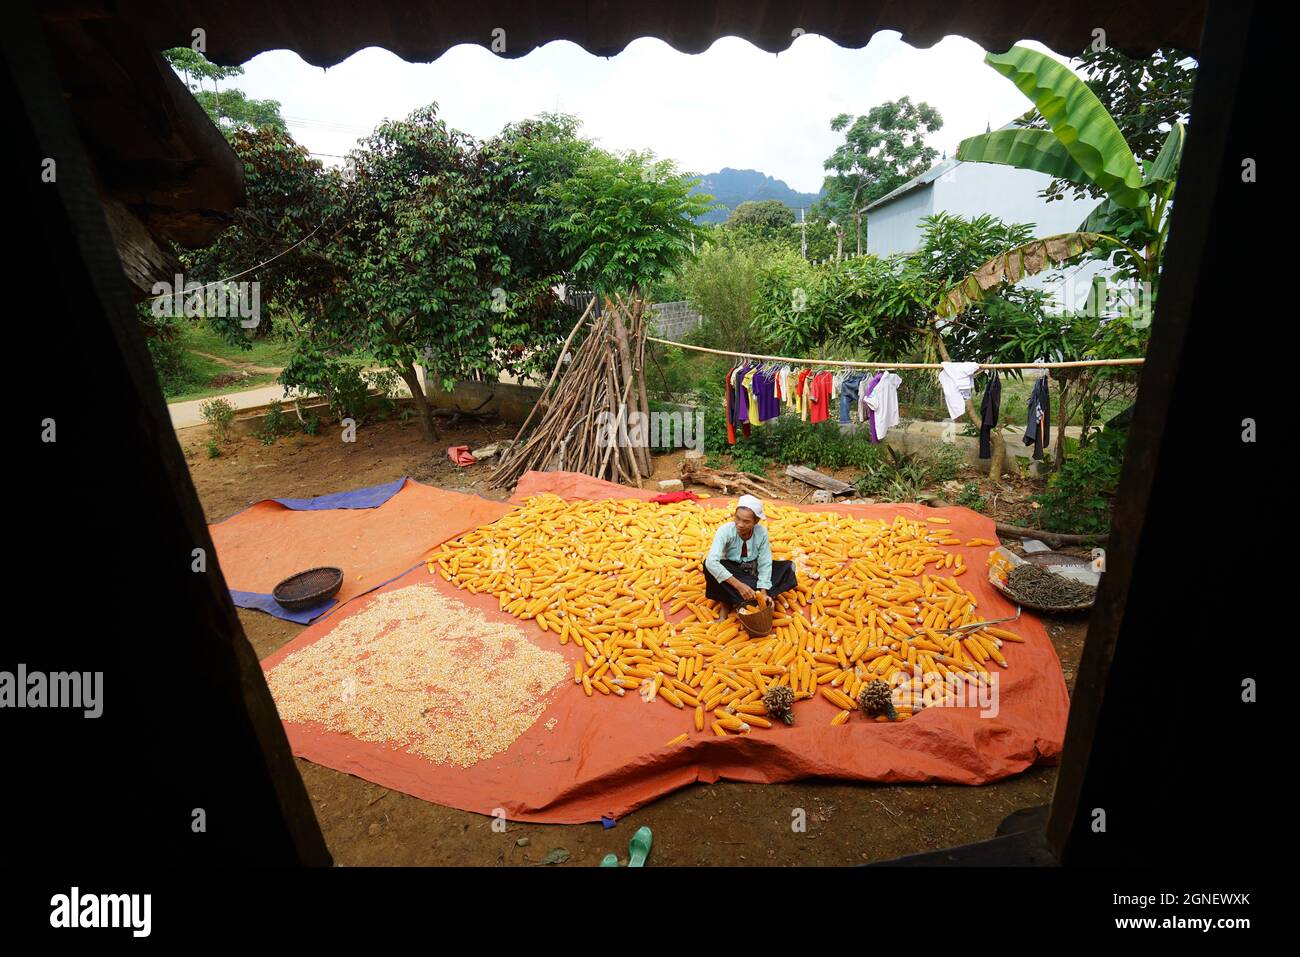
{"x":989,"y":413}
{"x":783,"y":579}
{"x":1039,"y":402}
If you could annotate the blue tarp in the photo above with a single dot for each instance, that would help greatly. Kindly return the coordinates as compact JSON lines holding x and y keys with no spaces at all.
{"x":268,"y":604}
{"x":372,"y":497}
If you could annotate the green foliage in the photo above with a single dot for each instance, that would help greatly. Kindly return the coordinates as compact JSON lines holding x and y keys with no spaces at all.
{"x":1080,"y":493}
{"x":1145,"y":96}
{"x":764,"y":219}
{"x":721,"y":283}
{"x":881,"y":151}
{"x":276,"y":424}
{"x":970,"y":497}
{"x":220,"y":415}
{"x":902,"y":476}
{"x":626,"y":220}
{"x":230,"y":109}
{"x":1079,"y":141}
{"x":171,"y":361}
{"x":214,"y":450}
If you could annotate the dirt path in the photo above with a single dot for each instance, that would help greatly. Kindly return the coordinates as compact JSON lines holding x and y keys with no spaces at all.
{"x":720,"y":824}
{"x":236,"y":364}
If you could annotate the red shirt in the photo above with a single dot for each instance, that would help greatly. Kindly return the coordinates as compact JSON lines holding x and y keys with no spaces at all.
{"x":821,"y":397}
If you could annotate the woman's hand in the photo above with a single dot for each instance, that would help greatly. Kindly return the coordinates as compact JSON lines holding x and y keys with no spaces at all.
{"x":745,"y":591}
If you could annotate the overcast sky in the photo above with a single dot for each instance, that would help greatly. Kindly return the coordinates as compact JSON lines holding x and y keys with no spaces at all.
{"x":733,"y":105}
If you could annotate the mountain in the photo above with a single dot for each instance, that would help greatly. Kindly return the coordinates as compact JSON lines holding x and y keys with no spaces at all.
{"x":732,"y":187}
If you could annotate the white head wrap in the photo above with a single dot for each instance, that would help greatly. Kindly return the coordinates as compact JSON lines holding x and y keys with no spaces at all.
{"x":753,"y":504}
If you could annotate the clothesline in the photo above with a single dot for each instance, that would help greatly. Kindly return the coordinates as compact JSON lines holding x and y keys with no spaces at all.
{"x":902,"y":365}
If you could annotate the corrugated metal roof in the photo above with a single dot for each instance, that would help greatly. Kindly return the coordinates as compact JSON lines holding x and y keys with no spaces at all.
{"x":326,"y":32}
{"x":925,"y":179}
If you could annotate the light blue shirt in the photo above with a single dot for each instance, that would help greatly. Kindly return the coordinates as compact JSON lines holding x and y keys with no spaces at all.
{"x":726,"y":547}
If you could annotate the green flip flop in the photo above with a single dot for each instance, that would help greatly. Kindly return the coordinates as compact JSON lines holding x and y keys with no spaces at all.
{"x":611,"y":860}
{"x":639,"y":847}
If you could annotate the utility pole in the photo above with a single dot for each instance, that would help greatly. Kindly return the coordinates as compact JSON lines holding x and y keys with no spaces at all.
{"x":803,"y":234}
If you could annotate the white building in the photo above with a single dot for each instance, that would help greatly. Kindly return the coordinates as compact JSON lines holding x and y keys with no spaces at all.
{"x":893,"y":222}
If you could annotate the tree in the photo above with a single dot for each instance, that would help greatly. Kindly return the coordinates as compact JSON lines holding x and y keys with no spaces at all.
{"x":1146,"y":98}
{"x":626,"y":220}
{"x":721,"y":283}
{"x":1083,"y":145}
{"x":766,"y":218}
{"x":231,"y":110}
{"x":423,"y":251}
{"x":881,"y":151}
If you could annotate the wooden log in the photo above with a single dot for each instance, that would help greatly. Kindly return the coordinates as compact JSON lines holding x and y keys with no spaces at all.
{"x":727,"y":480}
{"x":1051,"y":538}
{"x":818,"y":479}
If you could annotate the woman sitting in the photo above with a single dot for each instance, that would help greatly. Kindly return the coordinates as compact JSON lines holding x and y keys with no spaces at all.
{"x":740,"y":565}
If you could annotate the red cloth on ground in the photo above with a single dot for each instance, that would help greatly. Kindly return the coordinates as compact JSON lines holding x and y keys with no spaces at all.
{"x":459,"y":454}
{"x":677,"y":497}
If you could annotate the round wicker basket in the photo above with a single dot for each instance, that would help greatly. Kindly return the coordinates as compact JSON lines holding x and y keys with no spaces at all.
{"x":309,"y":588}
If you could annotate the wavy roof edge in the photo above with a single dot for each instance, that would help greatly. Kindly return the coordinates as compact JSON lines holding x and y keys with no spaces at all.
{"x":327,"y":32}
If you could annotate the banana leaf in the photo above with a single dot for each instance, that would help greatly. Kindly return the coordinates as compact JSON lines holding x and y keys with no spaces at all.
{"x":1024,"y":149}
{"x":1163,"y":171}
{"x":1012,"y":266}
{"x":1078,"y":119}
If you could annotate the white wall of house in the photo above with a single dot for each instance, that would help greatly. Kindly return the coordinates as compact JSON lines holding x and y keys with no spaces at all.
{"x":1012,"y":195}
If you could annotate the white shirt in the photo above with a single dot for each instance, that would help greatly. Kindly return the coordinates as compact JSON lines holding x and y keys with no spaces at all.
{"x":883,"y":402}
{"x":957,"y":380}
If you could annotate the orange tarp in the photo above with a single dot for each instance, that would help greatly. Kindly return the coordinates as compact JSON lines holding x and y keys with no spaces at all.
{"x":267,"y":542}
{"x":608,"y":756}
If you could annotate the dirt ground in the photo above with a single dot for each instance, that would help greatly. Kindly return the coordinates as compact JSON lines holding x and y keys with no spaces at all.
{"x":720,"y":824}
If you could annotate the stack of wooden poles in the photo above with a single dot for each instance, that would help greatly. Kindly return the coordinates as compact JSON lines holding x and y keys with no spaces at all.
{"x":605,"y":375}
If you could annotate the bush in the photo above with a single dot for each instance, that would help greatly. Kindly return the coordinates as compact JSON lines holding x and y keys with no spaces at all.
{"x":1078,"y":497}
{"x":276,"y":424}
{"x":902,"y":476}
{"x":219,"y":414}
{"x":970,"y":497}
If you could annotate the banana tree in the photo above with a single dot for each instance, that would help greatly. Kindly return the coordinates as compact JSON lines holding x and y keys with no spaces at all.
{"x":1084,"y":145}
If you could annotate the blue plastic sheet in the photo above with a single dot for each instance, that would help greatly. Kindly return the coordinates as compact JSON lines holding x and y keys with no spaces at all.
{"x":268,"y":604}
{"x":372,"y":497}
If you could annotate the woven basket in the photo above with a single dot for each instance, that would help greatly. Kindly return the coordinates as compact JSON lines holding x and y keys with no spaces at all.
{"x":309,"y":588}
{"x":758,"y":623}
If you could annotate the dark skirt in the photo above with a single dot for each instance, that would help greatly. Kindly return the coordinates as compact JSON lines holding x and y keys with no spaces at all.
{"x":783,"y":579}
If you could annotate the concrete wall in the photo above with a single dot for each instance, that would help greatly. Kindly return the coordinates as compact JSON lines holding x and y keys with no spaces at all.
{"x":896,"y":226}
{"x":672,"y":320}
{"x":511,"y":403}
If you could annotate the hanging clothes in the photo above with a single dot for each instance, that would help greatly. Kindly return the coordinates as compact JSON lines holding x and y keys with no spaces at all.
{"x":737,"y":413}
{"x":821,"y":397}
{"x":1038,"y":430}
{"x":751,"y":409}
{"x":865,"y":412}
{"x":804,"y":389}
{"x":883,"y":403}
{"x":989,"y":407}
{"x":957,"y":379}
{"x":850,"y":388}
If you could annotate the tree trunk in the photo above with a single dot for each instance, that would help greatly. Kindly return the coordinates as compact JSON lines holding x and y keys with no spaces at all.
{"x":412,"y":381}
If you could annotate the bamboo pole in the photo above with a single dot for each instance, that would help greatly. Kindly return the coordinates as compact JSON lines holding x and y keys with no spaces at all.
{"x":1077,"y":364}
